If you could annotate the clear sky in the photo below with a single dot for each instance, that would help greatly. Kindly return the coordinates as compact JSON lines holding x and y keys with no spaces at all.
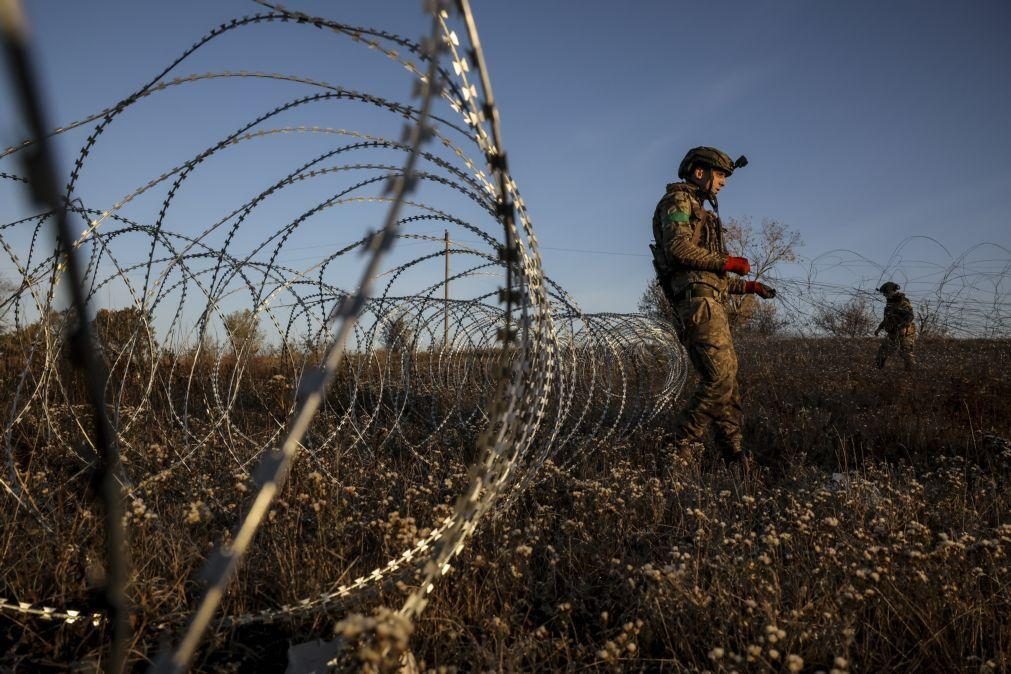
{"x":866,"y":123}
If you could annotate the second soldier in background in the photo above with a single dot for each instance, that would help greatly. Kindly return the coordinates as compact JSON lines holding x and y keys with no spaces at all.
{"x":899,"y":325}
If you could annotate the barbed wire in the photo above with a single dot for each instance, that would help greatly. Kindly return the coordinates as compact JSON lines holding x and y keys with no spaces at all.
{"x":953,"y":295}
{"x":42,"y":167}
{"x":517,"y":358}
{"x":367,"y":362}
{"x":68,"y":616}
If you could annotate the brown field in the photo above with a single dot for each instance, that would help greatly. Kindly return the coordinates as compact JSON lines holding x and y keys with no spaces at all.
{"x":875,"y":537}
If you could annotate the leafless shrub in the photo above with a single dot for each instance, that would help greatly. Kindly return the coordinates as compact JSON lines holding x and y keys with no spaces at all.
{"x":930,"y":323}
{"x":243,"y":329}
{"x":851,"y":318}
{"x":398,"y":334}
{"x":124,"y":331}
{"x":763,"y":320}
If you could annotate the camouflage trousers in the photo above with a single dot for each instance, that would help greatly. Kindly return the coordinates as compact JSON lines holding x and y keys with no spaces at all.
{"x":705,"y":334}
{"x":897,"y":342}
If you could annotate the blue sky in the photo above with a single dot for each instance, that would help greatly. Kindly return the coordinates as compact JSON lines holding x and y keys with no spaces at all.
{"x":866,"y":123}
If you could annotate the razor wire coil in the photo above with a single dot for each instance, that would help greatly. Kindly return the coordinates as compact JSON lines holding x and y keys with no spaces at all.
{"x":519,"y":360}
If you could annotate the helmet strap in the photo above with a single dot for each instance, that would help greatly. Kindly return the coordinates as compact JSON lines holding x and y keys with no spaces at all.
{"x":708,"y":188}
{"x":705,"y":184}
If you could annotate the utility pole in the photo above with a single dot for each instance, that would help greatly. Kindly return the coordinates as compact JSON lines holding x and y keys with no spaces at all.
{"x":445,"y":289}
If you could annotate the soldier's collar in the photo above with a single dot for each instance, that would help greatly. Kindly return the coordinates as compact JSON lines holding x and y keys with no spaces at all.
{"x":694,"y":190}
{"x":703,"y":194}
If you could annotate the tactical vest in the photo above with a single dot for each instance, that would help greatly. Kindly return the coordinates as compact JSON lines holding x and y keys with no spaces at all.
{"x":707,"y":233}
{"x":899,"y":316}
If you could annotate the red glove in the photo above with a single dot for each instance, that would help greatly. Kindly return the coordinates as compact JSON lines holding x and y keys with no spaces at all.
{"x":760,"y":289}
{"x":738,"y":265}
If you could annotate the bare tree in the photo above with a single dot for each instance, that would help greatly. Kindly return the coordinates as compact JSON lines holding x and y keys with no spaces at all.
{"x":852,"y":318}
{"x":772,"y":244}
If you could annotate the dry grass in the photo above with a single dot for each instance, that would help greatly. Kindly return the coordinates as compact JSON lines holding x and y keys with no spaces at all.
{"x":627,"y":561}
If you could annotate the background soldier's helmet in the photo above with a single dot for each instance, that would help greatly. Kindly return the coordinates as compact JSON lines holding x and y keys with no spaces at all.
{"x":711,"y":157}
{"x":888,"y":287}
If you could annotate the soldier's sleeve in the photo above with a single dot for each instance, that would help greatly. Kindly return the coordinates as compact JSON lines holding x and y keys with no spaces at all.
{"x":678,"y":233}
{"x":735,"y":285}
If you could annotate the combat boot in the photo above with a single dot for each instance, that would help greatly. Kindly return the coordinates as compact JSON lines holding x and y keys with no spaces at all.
{"x":735,"y":455}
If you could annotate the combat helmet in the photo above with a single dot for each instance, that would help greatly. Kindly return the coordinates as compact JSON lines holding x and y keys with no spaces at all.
{"x":888,"y":287}
{"x":709,"y":156}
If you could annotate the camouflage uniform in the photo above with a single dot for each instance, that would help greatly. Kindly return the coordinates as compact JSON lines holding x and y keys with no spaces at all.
{"x":900,"y":327}
{"x":691,"y":240}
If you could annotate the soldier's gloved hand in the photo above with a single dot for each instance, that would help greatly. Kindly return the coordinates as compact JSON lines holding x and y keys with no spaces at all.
{"x":877,"y":332}
{"x":760,"y":289}
{"x":738,"y":265}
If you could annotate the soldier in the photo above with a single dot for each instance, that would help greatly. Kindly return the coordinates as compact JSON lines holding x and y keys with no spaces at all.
{"x":899,"y":325}
{"x":693,"y":268}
